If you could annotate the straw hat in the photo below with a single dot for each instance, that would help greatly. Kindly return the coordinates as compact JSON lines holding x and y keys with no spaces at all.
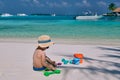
{"x":44,"y":41}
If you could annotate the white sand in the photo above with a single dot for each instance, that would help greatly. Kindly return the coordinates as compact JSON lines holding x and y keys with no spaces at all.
{"x":100,"y":62}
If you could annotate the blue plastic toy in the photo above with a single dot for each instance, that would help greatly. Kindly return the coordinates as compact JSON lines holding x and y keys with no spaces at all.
{"x":75,"y":61}
{"x":65,"y":61}
{"x":71,"y":62}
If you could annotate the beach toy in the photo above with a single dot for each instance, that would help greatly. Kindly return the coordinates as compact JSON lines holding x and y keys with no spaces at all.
{"x":71,"y":62}
{"x":65,"y":61}
{"x":59,"y":64}
{"x":76,"y":61}
{"x":78,"y":55}
{"x":47,"y":73}
{"x":81,"y":60}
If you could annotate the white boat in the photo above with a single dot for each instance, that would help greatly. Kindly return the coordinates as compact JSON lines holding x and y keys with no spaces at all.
{"x":21,"y":14}
{"x":88,"y":17}
{"x":6,"y":15}
{"x":53,"y":14}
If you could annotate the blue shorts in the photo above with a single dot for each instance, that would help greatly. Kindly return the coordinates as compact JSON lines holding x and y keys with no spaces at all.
{"x":39,"y":69}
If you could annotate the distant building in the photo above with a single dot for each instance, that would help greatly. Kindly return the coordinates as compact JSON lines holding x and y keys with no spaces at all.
{"x":117,"y":11}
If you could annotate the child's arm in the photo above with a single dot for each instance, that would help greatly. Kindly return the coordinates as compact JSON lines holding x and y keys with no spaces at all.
{"x":45,"y":64}
{"x":50,"y":61}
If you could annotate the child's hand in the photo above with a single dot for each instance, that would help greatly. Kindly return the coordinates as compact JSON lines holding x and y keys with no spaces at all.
{"x":54,"y":64}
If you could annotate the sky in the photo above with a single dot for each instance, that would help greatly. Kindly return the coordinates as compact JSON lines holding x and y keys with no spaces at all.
{"x":61,"y":7}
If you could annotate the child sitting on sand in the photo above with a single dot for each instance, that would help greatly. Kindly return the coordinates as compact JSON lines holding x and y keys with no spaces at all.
{"x":40,"y":60}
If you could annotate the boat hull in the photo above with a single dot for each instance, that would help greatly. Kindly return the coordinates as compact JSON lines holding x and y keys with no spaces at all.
{"x":88,"y":17}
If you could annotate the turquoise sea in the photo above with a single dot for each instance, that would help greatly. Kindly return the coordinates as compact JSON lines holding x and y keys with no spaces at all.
{"x":61,"y":27}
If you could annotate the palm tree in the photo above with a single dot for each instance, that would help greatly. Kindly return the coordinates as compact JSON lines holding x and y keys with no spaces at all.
{"x":112,"y":7}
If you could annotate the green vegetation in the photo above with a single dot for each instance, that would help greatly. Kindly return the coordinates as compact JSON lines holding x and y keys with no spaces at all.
{"x":112,"y":6}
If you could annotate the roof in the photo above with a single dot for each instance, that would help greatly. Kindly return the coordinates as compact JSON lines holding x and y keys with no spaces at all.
{"x":116,"y":10}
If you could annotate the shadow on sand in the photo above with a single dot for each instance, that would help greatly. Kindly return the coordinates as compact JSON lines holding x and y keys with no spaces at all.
{"x":111,"y":49}
{"x":107,"y":68}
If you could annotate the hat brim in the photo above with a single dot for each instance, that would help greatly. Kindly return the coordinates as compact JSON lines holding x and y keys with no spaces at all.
{"x":46,"y":44}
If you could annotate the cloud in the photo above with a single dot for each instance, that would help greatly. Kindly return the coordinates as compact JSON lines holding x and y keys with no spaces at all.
{"x":32,"y":3}
{"x":86,"y":3}
{"x":64,"y":3}
{"x":102,"y":3}
{"x":83,"y":3}
{"x":36,"y":1}
{"x":58,"y":4}
{"x":52,"y":4}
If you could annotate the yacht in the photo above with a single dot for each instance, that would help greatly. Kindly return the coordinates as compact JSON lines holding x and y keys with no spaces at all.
{"x":21,"y":14}
{"x":87,"y":17}
{"x":6,"y":15}
{"x":53,"y":14}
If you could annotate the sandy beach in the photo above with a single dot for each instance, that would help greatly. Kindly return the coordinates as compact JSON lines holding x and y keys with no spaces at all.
{"x":101,"y":62}
{"x":88,"y":27}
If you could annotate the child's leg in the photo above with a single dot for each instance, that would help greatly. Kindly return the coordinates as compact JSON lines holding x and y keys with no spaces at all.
{"x":50,"y":67}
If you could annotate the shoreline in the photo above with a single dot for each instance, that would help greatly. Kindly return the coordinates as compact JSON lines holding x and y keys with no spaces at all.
{"x":111,"y":42}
